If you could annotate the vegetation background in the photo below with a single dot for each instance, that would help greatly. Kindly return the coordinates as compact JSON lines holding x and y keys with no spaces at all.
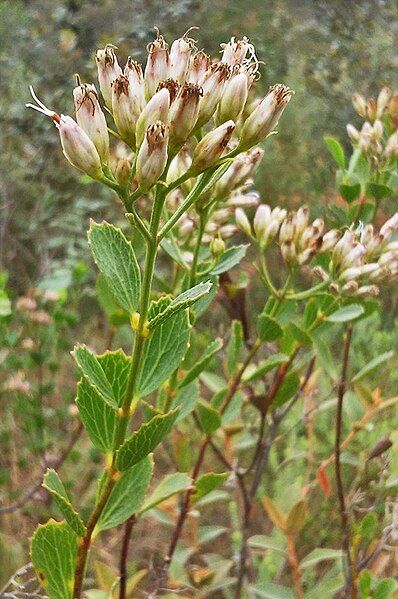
{"x":324,"y":50}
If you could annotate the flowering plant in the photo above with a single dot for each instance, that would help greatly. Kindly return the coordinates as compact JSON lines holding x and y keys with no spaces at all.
{"x":186,"y":130}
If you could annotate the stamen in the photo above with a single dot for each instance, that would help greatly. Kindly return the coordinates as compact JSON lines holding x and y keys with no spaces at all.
{"x":42,"y":108}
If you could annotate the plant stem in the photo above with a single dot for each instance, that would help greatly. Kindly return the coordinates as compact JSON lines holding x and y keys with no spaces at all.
{"x":345,"y":524}
{"x":130,"y":401}
{"x":123,"y":556}
{"x":294,"y":565}
{"x":201,"y":229}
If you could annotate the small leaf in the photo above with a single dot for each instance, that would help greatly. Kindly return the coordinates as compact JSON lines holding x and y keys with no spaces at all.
{"x":323,"y":481}
{"x":145,"y":440}
{"x":269,"y":590}
{"x":201,"y":364}
{"x":115,"y":258}
{"x":127,"y":495}
{"x":301,"y":336}
{"x":336,"y":150}
{"x":210,"y":419}
{"x":265,"y":366}
{"x":186,"y":400}
{"x":385,"y":588}
{"x":350,"y":192}
{"x":296,"y":517}
{"x":169,"y":486}
{"x":207,"y":483}
{"x":53,"y":484}
{"x":94,"y":373}
{"x":235,"y":345}
{"x":265,"y":542}
{"x":287,"y":390}
{"x":53,"y":551}
{"x":163,"y":352}
{"x":181,"y":302}
{"x":274,"y":513}
{"x":229,"y":259}
{"x":320,"y":555}
{"x":378,"y":191}
{"x":368,"y":527}
{"x":268,"y":328}
{"x":372,"y":365}
{"x":347,"y":313}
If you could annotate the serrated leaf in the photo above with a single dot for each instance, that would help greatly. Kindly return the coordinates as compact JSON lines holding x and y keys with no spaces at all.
{"x":265,"y":366}
{"x":115,"y":258}
{"x":98,"y":417}
{"x":230,"y":258}
{"x":201,"y":364}
{"x":93,"y":371}
{"x":336,"y":150}
{"x":163,"y":353}
{"x":115,"y":313}
{"x":145,"y":440}
{"x":268,"y":328}
{"x":318,"y":555}
{"x":127,"y":495}
{"x":204,"y":302}
{"x":53,"y":551}
{"x":235,"y":345}
{"x":210,"y":419}
{"x":186,"y":399}
{"x":346,"y":314}
{"x":296,"y":517}
{"x":54,"y":486}
{"x":181,"y":302}
{"x":169,"y":486}
{"x":207,"y":483}
{"x":372,"y":365}
{"x":287,"y":390}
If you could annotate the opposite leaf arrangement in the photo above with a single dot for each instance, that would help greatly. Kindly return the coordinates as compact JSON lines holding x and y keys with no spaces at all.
{"x":186,"y":130}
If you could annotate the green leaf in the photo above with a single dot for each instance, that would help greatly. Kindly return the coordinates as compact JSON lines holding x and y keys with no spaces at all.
{"x":265,"y":542}
{"x":368,"y":527}
{"x":127,"y":495}
{"x":210,"y":419}
{"x":185,"y":399}
{"x":93,"y":371}
{"x":269,"y":590}
{"x":201,"y":364}
{"x":350,"y":192}
{"x":268,"y":328}
{"x":320,"y":555}
{"x":201,"y":305}
{"x":98,"y":417}
{"x":378,"y":191}
{"x":181,"y":302}
{"x":144,"y":441}
{"x":265,"y":366}
{"x":299,"y":334}
{"x":115,"y":258}
{"x":336,"y":150}
{"x":385,"y":588}
{"x":172,"y":252}
{"x":229,"y":259}
{"x":115,"y":313}
{"x":169,"y":486}
{"x":365,"y":584}
{"x":207,"y":483}
{"x":347,"y":313}
{"x":287,"y":390}
{"x":53,"y":551}
{"x":163,"y":352}
{"x":53,"y":484}
{"x":235,"y":345}
{"x":372,"y":365}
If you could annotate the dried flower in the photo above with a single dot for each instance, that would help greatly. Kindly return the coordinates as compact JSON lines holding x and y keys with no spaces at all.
{"x":211,"y":147}
{"x":152,"y":156}
{"x":157,"y":66}
{"x":126,"y":108}
{"x":108,"y":69}
{"x":91,"y":119}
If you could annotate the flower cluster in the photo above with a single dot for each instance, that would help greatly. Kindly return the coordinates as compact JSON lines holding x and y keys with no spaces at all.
{"x":157,"y":109}
{"x":358,"y":259}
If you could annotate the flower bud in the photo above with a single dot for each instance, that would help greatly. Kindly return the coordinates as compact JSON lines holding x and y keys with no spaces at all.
{"x":178,"y":166}
{"x":199,"y":64}
{"x":391,"y":150}
{"x":157,"y":109}
{"x":301,"y":220}
{"x":265,"y":117}
{"x":91,"y":119}
{"x":211,"y":147}
{"x":157,"y":67}
{"x":288,"y":251}
{"x":186,"y":225}
{"x":238,"y":173}
{"x":180,"y":54}
{"x":233,"y":99}
{"x":383,"y":101}
{"x":319,"y":272}
{"x":242,"y":221}
{"x":108,"y":69}
{"x":288,"y":229}
{"x":212,"y":84}
{"x":329,"y":240}
{"x":133,"y":72}
{"x":184,"y":114}
{"x":372,"y":290}
{"x":359,"y":104}
{"x":350,"y":287}
{"x":389,"y":227}
{"x":261,"y":220}
{"x":125,"y":108}
{"x":152,"y":156}
{"x":353,"y":133}
{"x":123,"y":172}
{"x":217,"y":246}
